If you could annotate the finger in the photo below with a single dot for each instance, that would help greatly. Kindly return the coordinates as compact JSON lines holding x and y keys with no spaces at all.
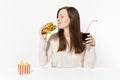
{"x":41,"y":28}
{"x":42,"y":36}
{"x":90,"y":41}
{"x":89,"y":36}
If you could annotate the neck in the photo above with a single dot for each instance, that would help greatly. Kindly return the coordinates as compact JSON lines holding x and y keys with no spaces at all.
{"x":66,"y":33}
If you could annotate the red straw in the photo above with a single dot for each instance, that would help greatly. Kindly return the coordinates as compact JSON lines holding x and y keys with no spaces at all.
{"x":90,"y":24}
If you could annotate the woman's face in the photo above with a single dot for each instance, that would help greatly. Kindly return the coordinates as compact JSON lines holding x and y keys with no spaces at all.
{"x":63,"y":19}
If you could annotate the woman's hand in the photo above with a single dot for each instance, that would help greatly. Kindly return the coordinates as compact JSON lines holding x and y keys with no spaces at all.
{"x":42,"y":36}
{"x":90,"y":40}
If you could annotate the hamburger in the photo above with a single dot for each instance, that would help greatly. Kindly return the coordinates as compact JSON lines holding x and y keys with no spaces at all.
{"x":47,"y":28}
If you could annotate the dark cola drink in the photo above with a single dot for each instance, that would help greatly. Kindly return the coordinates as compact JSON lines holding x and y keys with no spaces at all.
{"x":84,"y":36}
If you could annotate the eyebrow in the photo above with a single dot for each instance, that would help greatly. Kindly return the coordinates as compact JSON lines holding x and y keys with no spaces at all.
{"x":60,"y":15}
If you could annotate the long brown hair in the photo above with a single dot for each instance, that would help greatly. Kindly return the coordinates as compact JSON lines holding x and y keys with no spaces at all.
{"x":75,"y":32}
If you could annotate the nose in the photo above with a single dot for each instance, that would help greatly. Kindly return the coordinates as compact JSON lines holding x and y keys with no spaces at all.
{"x":58,"y":20}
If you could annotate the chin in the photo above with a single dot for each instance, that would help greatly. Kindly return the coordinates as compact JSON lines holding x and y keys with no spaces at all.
{"x":60,"y":27}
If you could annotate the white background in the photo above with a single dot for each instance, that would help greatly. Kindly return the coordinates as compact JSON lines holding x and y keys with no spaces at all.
{"x":20,"y":21}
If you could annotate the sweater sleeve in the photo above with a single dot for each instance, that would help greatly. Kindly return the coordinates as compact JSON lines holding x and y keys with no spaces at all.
{"x":45,"y":52}
{"x":90,"y":57}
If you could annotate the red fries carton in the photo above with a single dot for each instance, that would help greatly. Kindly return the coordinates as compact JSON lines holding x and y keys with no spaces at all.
{"x":23,"y":68}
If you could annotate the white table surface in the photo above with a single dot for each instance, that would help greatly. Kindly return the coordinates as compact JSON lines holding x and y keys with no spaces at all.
{"x":61,"y":74}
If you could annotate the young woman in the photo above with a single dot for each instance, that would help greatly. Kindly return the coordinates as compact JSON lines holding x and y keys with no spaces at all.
{"x":65,"y":49}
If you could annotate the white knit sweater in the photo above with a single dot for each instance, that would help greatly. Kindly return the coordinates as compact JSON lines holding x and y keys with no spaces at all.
{"x":64,"y":59}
